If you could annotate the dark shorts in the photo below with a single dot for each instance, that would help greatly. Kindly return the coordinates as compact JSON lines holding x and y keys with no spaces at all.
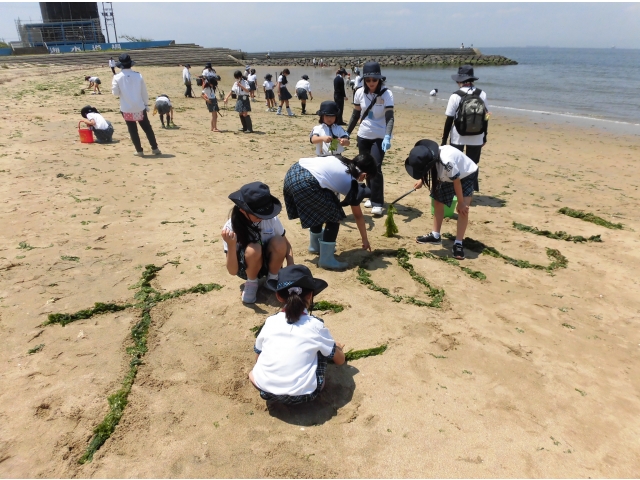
{"x":252,"y":85}
{"x":243,"y":104}
{"x":445,"y":192}
{"x":212,"y":105}
{"x":284,"y":94}
{"x":163,"y":107}
{"x":97,"y":82}
{"x":242,"y":264}
{"x":304,"y":198}
{"x":302,"y":94}
{"x":269,"y":95}
{"x":104,"y":136}
{"x":296,"y":399}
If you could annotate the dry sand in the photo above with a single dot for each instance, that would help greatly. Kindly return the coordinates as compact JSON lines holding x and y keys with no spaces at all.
{"x":490,"y":385}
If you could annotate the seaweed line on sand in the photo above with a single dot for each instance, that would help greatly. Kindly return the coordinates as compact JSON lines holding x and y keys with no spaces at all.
{"x":402,"y":256}
{"x":560,"y":235}
{"x":478,"y":275}
{"x":148,"y":297}
{"x":590,"y":217}
{"x":557,"y":259}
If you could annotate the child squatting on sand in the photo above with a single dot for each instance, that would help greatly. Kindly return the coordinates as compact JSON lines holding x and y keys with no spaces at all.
{"x":254,"y":238}
{"x":102,"y":129}
{"x":329,"y":138}
{"x":293,"y":347}
{"x":448,"y":172}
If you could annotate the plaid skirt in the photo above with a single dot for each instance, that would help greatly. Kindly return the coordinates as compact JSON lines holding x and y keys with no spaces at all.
{"x":445,"y":192}
{"x":302,"y":94}
{"x":305,"y":199}
{"x":284,"y":94}
{"x":243,"y":104}
{"x":296,"y":399}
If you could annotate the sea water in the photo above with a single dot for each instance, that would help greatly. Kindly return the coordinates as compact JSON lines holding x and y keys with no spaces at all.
{"x":599,"y":87}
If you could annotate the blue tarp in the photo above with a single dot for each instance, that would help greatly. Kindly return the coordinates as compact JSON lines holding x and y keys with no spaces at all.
{"x":5,"y":51}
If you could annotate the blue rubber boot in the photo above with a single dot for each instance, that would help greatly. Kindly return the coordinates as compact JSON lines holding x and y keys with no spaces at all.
{"x":327,"y":260}
{"x":314,"y":239}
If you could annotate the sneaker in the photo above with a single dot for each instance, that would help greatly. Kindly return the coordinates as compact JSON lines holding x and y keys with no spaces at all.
{"x":138,"y":154}
{"x":268,"y":110}
{"x":367,"y":204}
{"x":278,"y":112}
{"x":377,"y":211}
{"x":156,"y":151}
{"x":292,"y":114}
{"x":250,"y":292}
{"x":458,"y":251}
{"x":429,"y":239}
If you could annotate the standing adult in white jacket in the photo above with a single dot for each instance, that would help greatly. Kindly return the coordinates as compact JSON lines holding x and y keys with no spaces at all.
{"x":186,"y":78}
{"x":134,"y":101}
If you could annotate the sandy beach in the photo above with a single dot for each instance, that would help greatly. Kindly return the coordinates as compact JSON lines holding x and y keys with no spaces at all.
{"x":528,"y":373}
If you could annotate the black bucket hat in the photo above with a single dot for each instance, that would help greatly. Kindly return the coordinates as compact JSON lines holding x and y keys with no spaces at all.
{"x":208,"y":65}
{"x":256,"y":199}
{"x":188,"y":66}
{"x":372,"y":70}
{"x":296,"y":276}
{"x":328,"y":107}
{"x":465,"y":74}
{"x":421,"y":157}
{"x":305,"y":77}
{"x":86,"y":110}
{"x":124,"y":61}
{"x":268,"y":76}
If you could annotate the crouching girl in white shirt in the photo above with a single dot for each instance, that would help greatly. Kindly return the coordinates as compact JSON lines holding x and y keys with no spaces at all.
{"x":294,"y":347}
{"x":102,"y":129}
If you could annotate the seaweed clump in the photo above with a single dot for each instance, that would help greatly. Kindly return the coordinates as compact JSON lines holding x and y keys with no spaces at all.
{"x":560,"y":235}
{"x":389,"y":224}
{"x":369,"y":352}
{"x":590,"y":217}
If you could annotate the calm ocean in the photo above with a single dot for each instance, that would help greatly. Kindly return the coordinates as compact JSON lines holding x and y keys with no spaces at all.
{"x":601,"y":86}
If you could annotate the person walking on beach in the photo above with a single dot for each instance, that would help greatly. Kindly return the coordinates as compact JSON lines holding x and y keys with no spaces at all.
{"x":243,"y":104}
{"x":447,"y":172}
{"x":471,"y":144}
{"x":303,"y":91}
{"x":254,"y":239}
{"x":134,"y":102}
{"x":339,"y":93}
{"x":283,"y":93}
{"x":251,"y":78}
{"x":329,"y":138}
{"x":112,"y":65}
{"x":270,"y":98}
{"x":209,"y":95}
{"x":186,"y":79}
{"x":373,"y":106}
{"x":294,"y":347}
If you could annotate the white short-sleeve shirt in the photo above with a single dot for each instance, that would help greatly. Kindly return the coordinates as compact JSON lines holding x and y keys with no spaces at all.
{"x":375,"y":125}
{"x":237,"y":90}
{"x":452,"y":106}
{"x":112,"y":63}
{"x":163,"y":99}
{"x":330,"y":173}
{"x":268,"y":229}
{"x":303,"y":84}
{"x":209,"y":92}
{"x":455,"y":164}
{"x":251,"y":78}
{"x":268,"y":85}
{"x":101,"y":123}
{"x":288,"y":360}
{"x":93,"y":79}
{"x":322,"y":130}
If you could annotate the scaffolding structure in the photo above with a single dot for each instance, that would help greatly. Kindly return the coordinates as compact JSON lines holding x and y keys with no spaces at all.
{"x":109,"y":20}
{"x":64,"y":32}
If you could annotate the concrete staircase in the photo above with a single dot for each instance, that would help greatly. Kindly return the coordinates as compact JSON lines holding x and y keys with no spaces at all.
{"x":318,"y":54}
{"x":160,"y":56}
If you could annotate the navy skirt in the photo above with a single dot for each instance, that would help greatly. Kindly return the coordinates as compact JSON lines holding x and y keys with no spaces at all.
{"x":284,"y":94}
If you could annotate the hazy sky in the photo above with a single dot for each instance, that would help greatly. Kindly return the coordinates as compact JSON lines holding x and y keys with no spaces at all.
{"x":340,"y":25}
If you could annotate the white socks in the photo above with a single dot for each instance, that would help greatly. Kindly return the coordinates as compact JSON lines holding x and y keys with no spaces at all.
{"x":272,"y":276}
{"x":435,"y":234}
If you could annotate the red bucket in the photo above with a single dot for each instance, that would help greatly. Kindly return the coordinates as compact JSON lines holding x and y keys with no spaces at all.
{"x":86,"y":135}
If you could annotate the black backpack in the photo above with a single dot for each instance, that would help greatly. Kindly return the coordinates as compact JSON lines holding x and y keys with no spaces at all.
{"x":470,"y":114}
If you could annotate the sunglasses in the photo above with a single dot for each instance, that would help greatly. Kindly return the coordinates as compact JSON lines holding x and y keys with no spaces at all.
{"x":371,"y":80}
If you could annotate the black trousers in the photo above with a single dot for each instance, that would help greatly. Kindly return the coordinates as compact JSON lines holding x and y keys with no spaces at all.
{"x":113,"y":70}
{"x":374,"y":148}
{"x":188,"y":92}
{"x":339,"y":99}
{"x":145,"y":124}
{"x":473,"y":152}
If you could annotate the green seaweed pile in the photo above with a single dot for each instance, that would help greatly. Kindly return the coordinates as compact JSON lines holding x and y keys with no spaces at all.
{"x":560,"y":235}
{"x":590,"y":217}
{"x":147,"y":298}
{"x":402,"y":256}
{"x":369,"y":352}
{"x":35,"y":349}
{"x":325,"y":306}
{"x":389,"y":224}
{"x":557,"y":259}
{"x":478,"y":275}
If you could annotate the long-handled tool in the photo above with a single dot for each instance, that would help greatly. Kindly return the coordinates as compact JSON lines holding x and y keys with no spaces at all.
{"x":390,"y":225}
{"x":402,"y":196}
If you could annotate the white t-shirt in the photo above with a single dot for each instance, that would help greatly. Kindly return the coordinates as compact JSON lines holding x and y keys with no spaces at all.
{"x":322,"y":130}
{"x":280,"y":81}
{"x":433,"y":93}
{"x":163,"y":99}
{"x":303,"y":84}
{"x":456,"y":164}
{"x":237,"y":90}
{"x":268,"y":229}
{"x":288,"y":360}
{"x":452,"y":106}
{"x":101,"y":123}
{"x":268,"y":85}
{"x":186,"y":75}
{"x":375,"y":125}
{"x":330,"y":172}
{"x":209,"y":92}
{"x":112,"y":63}
{"x":252,"y":78}
{"x":358,"y":82}
{"x":209,"y":73}
{"x":93,"y":79}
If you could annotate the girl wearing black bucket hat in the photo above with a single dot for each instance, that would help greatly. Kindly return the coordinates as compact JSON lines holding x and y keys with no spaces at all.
{"x":294,"y":347}
{"x":373,"y":106}
{"x":329,"y":138}
{"x":447,"y":172}
{"x":471,"y":143}
{"x":254,"y":239}
{"x":102,"y":129}
{"x":303,"y":92}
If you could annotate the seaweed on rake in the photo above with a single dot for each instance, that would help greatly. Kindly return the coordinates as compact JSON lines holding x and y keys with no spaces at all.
{"x":590,"y":217}
{"x":369,"y":352}
{"x":560,"y":235}
{"x":324,"y":306}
